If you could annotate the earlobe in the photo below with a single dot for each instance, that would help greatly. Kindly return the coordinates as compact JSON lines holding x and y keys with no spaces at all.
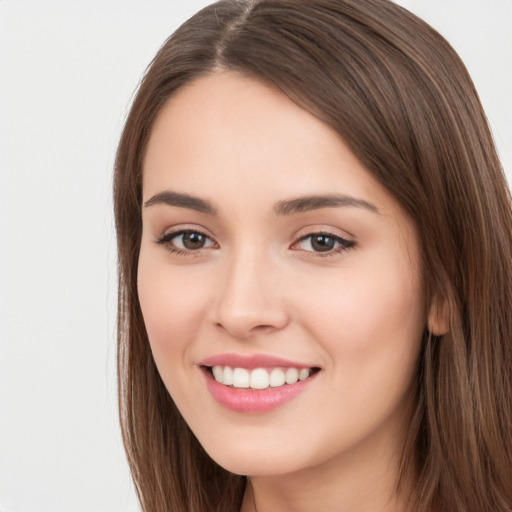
{"x":438,"y":315}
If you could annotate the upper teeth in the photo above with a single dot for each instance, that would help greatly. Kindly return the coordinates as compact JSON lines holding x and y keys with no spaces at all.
{"x":259,"y":378}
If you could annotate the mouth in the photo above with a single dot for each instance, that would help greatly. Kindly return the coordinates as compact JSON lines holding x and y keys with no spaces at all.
{"x":259,"y":378}
{"x":257,"y":383}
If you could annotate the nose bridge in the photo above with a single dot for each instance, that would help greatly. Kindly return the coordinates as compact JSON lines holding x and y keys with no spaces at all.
{"x":249,"y":301}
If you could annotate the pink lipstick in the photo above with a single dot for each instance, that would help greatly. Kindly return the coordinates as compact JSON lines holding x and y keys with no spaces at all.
{"x":256,"y":383}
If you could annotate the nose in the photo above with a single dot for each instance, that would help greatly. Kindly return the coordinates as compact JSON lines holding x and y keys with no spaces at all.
{"x":249,"y":301}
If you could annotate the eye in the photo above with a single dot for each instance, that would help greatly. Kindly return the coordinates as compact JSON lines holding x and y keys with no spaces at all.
{"x":323,"y":243}
{"x":185,"y":241}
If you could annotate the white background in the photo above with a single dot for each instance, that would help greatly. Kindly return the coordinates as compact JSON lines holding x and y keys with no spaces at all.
{"x":67,"y":73}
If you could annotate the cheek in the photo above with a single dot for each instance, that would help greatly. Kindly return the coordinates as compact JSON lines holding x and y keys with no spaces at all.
{"x":370,"y":329}
{"x":172,"y":305}
{"x":370,"y":319}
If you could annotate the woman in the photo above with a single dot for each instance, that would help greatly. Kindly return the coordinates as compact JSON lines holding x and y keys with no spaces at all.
{"x":314,"y":238}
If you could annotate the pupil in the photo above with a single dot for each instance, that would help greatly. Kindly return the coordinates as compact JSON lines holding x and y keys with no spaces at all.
{"x":322,"y":243}
{"x":193,"y":240}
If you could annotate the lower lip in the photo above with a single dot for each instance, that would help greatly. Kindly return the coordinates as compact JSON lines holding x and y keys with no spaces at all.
{"x":255,"y":401}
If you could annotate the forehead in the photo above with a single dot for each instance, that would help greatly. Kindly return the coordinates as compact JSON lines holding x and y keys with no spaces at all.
{"x":229,"y":138}
{"x":227,"y":122}
{"x":238,"y":118}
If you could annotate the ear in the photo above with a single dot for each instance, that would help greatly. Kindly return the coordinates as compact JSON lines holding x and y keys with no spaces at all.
{"x":438,"y":315}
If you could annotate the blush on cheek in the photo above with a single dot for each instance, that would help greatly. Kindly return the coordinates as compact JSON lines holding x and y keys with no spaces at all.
{"x":165,"y":320}
{"x":170,"y":316}
{"x":363,"y":315}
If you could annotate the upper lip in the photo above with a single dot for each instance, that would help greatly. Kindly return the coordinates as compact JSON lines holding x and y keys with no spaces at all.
{"x":252,"y":361}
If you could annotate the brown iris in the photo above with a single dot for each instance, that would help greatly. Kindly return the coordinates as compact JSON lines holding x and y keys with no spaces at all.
{"x":193,"y":240}
{"x":322,"y":243}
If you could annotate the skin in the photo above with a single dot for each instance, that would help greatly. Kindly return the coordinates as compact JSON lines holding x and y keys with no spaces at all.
{"x":259,"y":287}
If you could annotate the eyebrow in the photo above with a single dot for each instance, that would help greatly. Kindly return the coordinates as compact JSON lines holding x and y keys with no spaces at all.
{"x":316,"y":202}
{"x":182,"y":201}
{"x":286,"y":207}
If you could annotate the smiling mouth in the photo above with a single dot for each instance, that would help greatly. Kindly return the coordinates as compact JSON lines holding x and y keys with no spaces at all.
{"x":259,"y":378}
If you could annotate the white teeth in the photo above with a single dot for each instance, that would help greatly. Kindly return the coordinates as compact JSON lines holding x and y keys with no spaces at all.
{"x":218,"y":373}
{"x":240,"y":378}
{"x":228,"y":376}
{"x":291,"y":376}
{"x":303,"y":374}
{"x":259,"y":378}
{"x":277,"y":378}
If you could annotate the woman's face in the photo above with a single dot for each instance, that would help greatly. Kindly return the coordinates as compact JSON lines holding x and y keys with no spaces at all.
{"x":268,"y":248}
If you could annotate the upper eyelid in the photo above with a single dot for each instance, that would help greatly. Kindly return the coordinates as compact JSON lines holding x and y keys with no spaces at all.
{"x":168,"y":236}
{"x":341,"y":239}
{"x":326,"y":233}
{"x":180,"y":229}
{"x":306,"y":231}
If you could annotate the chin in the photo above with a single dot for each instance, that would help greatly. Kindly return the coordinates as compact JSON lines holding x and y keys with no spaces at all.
{"x":257,"y":459}
{"x":248,"y":464}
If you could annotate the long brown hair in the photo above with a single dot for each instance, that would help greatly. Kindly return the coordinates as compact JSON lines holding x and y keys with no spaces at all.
{"x":402,"y":100}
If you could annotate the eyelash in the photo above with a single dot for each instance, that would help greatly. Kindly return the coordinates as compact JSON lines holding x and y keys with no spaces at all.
{"x":167,"y":238}
{"x":343,"y":244}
